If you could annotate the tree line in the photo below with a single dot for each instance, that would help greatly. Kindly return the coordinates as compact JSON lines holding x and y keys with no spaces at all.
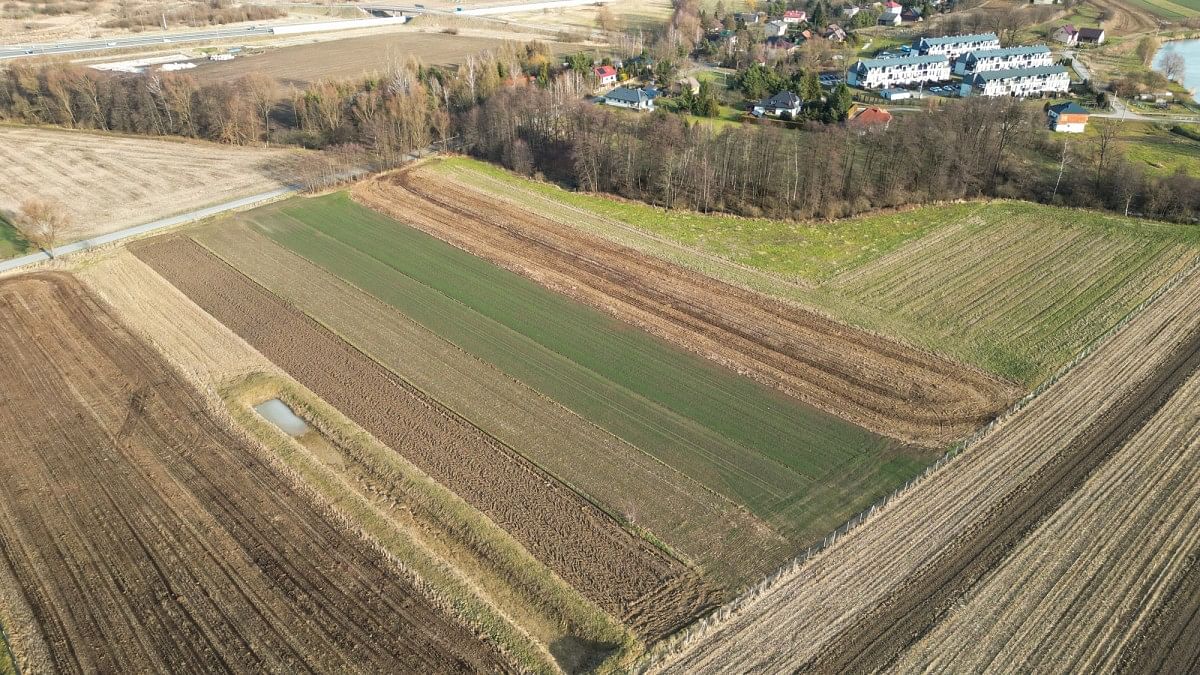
{"x":973,"y":148}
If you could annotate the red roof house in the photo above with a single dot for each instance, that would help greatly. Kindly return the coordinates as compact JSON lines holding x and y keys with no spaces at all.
{"x":606,"y":74}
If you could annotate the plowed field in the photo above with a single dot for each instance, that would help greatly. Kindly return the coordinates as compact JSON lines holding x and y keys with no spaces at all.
{"x":646,"y":589}
{"x":864,"y":603}
{"x":144,"y":536}
{"x":876,"y":383}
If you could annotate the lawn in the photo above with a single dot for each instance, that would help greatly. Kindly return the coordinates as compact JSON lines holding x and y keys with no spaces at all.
{"x":12,"y":244}
{"x":1011,"y":287}
{"x":1157,"y":150}
{"x":799,"y":469}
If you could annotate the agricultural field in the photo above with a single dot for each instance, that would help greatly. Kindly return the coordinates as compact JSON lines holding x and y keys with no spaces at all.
{"x":354,"y":57}
{"x":110,"y":455}
{"x":453,"y":325}
{"x":1013,"y":288}
{"x":1038,"y":520}
{"x":627,"y":15}
{"x":115,"y":181}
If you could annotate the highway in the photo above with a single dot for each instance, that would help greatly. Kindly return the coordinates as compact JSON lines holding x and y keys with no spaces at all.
{"x":18,"y":51}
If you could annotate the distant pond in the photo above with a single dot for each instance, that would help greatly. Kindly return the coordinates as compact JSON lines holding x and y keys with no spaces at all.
{"x":1190,"y":49}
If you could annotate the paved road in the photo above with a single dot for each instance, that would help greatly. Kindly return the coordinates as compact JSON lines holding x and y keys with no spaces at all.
{"x":18,"y":51}
{"x":159,"y":224}
{"x":1120,"y":111}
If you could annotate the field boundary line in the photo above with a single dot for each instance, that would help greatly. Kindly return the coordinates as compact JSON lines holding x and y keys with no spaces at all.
{"x":674,"y":645}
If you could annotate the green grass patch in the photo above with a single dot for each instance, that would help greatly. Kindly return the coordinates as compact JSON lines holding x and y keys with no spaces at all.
{"x":12,"y":244}
{"x":808,"y":250}
{"x":8,"y":664}
{"x":1170,"y":9}
{"x":1011,"y":287}
{"x":784,"y":461}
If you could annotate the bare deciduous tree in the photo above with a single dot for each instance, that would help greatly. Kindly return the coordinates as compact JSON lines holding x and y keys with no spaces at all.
{"x":42,"y":222}
{"x":1174,"y":66}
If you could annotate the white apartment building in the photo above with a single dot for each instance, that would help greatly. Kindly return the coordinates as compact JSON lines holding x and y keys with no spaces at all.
{"x":1010,"y":58}
{"x":1020,"y":82}
{"x":884,"y":73}
{"x":954,"y":46}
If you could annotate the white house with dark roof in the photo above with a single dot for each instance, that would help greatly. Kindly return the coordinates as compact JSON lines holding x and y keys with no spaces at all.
{"x":885,"y":73}
{"x":624,"y":97}
{"x":954,"y":46}
{"x":1068,"y":35}
{"x":1019,"y":82}
{"x":785,"y":102}
{"x":1007,"y":58}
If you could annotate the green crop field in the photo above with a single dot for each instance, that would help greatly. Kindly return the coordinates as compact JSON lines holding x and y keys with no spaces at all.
{"x":799,"y":470}
{"x":1014,"y":288}
{"x":12,"y":244}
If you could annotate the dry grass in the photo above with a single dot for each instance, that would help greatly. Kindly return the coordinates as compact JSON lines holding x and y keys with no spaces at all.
{"x":110,"y":182}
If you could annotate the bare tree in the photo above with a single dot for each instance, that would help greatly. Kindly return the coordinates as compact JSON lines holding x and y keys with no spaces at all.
{"x":1173,"y":66}
{"x":42,"y":222}
{"x":1104,"y":145}
{"x":1147,"y":47}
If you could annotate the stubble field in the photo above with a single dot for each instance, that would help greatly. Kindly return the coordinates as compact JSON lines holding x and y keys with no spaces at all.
{"x":951,"y":545}
{"x":110,"y":456}
{"x":115,"y":181}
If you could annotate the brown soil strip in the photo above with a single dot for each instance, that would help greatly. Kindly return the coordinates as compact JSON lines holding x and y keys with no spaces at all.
{"x":907,"y":613}
{"x":626,"y":576}
{"x":882,"y":385}
{"x":146,"y":537}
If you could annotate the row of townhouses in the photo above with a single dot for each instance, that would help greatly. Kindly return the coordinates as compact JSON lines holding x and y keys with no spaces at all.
{"x":954,"y":46}
{"x":1018,"y":82}
{"x":1008,"y":58}
{"x":883,"y":73}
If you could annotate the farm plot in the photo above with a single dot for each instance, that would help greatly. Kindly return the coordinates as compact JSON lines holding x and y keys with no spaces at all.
{"x":647,"y":590}
{"x":1013,"y":288}
{"x":110,"y":182}
{"x":1095,"y":588}
{"x":111,"y":458}
{"x":800,"y":470}
{"x":882,"y":385}
{"x":461,"y":556}
{"x":862,"y":603}
{"x":693,"y":522}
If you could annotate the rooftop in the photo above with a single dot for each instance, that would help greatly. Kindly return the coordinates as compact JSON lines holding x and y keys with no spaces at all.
{"x":1018,"y":72}
{"x":957,"y":39}
{"x":627,"y":95}
{"x":1069,"y":108}
{"x":1023,"y":50}
{"x":915,"y":59}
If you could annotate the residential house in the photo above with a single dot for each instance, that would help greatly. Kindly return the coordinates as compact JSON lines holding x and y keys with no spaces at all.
{"x":1019,"y":82}
{"x":606,"y":75}
{"x":890,"y":17}
{"x":625,"y":97}
{"x":749,"y":18}
{"x":872,"y":117}
{"x":1091,"y":36}
{"x":784,"y":104}
{"x":911,"y":15}
{"x":775,"y":29}
{"x":886,"y":73}
{"x":954,"y":46}
{"x":851,"y":11}
{"x":1068,"y":35}
{"x":794,"y":16}
{"x":1007,"y":58}
{"x":806,"y":35}
{"x":1067,"y":118}
{"x":835,"y":33}
{"x":781,"y":45}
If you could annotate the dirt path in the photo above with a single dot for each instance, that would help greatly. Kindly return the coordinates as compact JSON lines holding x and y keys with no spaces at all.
{"x":881,"y":385}
{"x":146,"y":537}
{"x":626,"y":576}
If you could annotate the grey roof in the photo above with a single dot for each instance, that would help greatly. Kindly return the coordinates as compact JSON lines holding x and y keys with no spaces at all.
{"x":1070,"y":108}
{"x":956,"y":39}
{"x":904,"y":60}
{"x":784,"y":99}
{"x":1017,"y":72}
{"x":1091,"y":32}
{"x":1024,"y":50}
{"x":627,"y":95}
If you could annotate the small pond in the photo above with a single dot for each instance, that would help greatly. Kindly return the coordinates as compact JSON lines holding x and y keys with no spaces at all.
{"x":278,"y":413}
{"x":1190,"y":50}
